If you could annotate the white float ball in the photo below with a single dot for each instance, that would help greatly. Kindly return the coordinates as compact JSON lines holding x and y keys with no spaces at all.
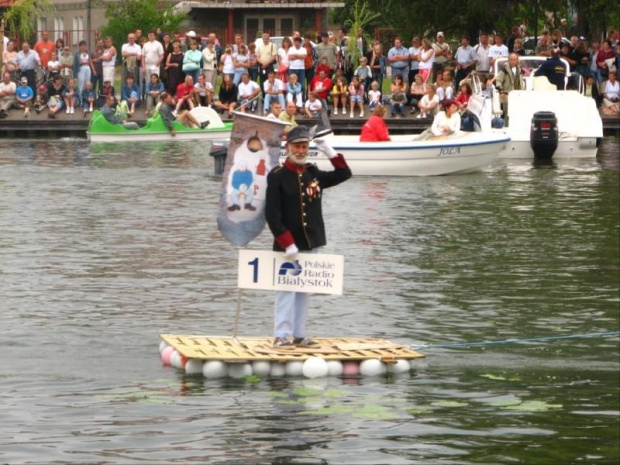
{"x":401,"y":366}
{"x":214,"y":369}
{"x":315,"y":367}
{"x":372,"y":367}
{"x":193,"y":367}
{"x":162,"y":346}
{"x":294,"y":368}
{"x":175,"y":360}
{"x":261,"y":368}
{"x":334,"y":368}
{"x":239,"y":370}
{"x":278,"y":370}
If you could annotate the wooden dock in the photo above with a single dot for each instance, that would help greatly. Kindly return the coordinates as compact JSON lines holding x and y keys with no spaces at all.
{"x":250,"y":349}
{"x":39,"y":125}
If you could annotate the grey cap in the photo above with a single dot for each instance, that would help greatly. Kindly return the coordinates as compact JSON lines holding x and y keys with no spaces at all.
{"x":298,"y":134}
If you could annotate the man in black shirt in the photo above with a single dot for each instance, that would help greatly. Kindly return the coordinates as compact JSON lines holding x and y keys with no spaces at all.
{"x":554,"y":69}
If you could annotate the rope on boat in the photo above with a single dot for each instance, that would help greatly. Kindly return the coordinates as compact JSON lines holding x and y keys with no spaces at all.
{"x":516,"y":340}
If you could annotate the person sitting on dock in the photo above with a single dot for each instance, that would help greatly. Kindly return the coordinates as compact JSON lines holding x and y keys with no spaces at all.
{"x":24,"y":97}
{"x":294,"y":215}
{"x":375,"y":129}
{"x":611,"y":94}
{"x":130,"y":95}
{"x":88,"y":98}
{"x":313,"y":106}
{"x":70,"y":96}
{"x":203,"y":92}
{"x":7,"y":94}
{"x":184,"y":117}
{"x":55,"y":90}
{"x":248,"y":90}
{"x":106,"y":90}
{"x":429,"y":105}
{"x":154,"y":88}
{"x":185,"y":94}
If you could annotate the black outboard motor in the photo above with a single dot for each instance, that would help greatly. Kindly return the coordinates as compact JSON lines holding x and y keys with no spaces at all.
{"x":544,"y":135}
{"x":218,"y":152}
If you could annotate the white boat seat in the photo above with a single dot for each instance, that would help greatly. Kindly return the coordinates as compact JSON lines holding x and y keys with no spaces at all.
{"x":542,"y":83}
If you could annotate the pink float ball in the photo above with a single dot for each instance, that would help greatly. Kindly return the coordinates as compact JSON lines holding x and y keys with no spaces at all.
{"x":350,"y":369}
{"x":165,"y":355}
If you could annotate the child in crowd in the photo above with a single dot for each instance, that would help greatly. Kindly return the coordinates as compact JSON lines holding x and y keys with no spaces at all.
{"x":356,"y":92}
{"x":445,"y":87}
{"x":374,"y":96}
{"x":313,"y":106}
{"x":294,"y":91}
{"x":53,"y":66}
{"x":364,"y":73}
{"x":340,"y":93}
{"x":88,"y":98}
{"x":399,"y":97}
{"x":429,"y":105}
{"x":70,"y":96}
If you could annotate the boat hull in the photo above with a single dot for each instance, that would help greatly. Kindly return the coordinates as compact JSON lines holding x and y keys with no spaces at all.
{"x":404,"y":157}
{"x":584,"y":147}
{"x":137,"y":136}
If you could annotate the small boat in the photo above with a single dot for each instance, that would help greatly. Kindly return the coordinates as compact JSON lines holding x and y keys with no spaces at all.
{"x":574,"y":117}
{"x":405,"y":156}
{"x":100,"y":130}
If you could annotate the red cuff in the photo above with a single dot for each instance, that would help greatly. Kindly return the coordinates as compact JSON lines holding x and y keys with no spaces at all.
{"x":339,"y":162}
{"x":285,"y":239}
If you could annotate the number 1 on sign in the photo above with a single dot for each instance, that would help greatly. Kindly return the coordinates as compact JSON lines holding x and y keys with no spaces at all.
{"x":254,"y":263}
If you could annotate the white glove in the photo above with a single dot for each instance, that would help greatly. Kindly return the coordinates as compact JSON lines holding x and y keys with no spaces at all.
{"x":324,"y":147}
{"x":291,"y":250}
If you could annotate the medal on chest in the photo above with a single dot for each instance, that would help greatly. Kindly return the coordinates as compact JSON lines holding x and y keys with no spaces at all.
{"x":313,"y":190}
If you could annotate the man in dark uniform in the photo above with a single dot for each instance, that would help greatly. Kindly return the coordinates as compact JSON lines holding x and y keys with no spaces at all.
{"x":293,"y":212}
{"x":554,"y":69}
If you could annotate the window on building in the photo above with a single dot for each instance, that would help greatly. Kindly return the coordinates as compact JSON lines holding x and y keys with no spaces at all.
{"x":59,"y":28}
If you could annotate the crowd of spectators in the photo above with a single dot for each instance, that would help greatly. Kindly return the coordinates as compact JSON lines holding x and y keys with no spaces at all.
{"x":301,"y":74}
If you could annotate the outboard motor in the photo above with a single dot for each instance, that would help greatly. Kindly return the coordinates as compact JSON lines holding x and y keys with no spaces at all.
{"x":219,"y":152}
{"x":544,"y":135}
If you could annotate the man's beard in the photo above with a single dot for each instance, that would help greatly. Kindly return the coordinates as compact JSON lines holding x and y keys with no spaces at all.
{"x":297,"y":161}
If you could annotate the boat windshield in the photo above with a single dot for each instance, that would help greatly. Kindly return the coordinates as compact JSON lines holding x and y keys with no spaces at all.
{"x":529,"y":64}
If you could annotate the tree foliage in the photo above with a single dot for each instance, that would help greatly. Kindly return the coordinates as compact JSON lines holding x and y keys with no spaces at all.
{"x":128,"y":15}
{"x":22,"y":17}
{"x":455,"y":17}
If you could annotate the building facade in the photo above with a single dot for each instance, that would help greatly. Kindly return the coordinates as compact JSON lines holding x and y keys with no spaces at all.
{"x":80,"y":20}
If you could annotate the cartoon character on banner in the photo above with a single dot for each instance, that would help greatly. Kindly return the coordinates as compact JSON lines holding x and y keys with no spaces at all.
{"x":247,"y":182}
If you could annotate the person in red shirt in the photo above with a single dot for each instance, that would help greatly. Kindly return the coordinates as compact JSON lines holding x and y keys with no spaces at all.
{"x":44,"y":48}
{"x":375,"y":129}
{"x":462,"y":99}
{"x":321,"y":85}
{"x":185,"y":91}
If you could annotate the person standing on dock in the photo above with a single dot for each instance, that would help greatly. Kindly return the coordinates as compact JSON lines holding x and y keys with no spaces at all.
{"x":295,"y":218}
{"x":28,"y":61}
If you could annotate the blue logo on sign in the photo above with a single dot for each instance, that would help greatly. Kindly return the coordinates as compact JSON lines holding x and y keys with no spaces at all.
{"x":290,"y":268}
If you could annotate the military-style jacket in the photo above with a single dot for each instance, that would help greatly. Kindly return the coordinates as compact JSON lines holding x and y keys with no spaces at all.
{"x":293,"y":207}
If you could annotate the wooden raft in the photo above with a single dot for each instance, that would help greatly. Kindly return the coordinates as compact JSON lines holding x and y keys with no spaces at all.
{"x":248,"y":349}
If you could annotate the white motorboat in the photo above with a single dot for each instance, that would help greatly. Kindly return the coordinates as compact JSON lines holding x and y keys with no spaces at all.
{"x":579,"y":124}
{"x":405,"y":156}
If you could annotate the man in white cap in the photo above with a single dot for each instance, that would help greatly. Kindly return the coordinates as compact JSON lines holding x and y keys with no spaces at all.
{"x":295,"y":218}
{"x":442,"y":49}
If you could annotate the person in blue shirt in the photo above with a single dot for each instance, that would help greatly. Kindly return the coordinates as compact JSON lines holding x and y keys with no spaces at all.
{"x":398,"y":58}
{"x":130,"y":95}
{"x":24,"y":96}
{"x":154,"y":88}
{"x":554,"y":69}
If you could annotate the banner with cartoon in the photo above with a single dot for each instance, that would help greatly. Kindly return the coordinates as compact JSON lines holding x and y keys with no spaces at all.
{"x":254,"y":150}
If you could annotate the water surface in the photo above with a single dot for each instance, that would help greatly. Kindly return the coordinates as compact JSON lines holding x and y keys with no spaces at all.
{"x":102,"y":248}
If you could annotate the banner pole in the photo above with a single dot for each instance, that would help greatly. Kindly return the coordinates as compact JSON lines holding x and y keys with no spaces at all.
{"x":236,"y":329}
